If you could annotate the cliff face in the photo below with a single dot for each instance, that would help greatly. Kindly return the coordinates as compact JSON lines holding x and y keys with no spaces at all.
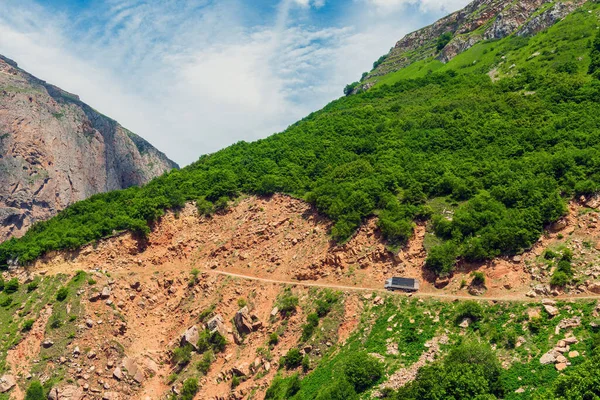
{"x":478,"y":21}
{"x":56,"y":150}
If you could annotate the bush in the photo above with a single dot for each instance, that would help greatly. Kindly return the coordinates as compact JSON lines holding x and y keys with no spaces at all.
{"x":287,"y":303}
{"x":292,"y":359}
{"x":443,"y":40}
{"x":31,"y":286}
{"x":235,"y":382}
{"x":469,"y":309}
{"x":203,"y":365}
{"x":273,"y":339}
{"x":441,"y":258}
{"x":242,"y":303}
{"x":341,"y":389}
{"x":211,"y":341}
{"x":55,"y":322}
{"x":11,"y":286}
{"x":27,"y":325}
{"x":205,"y":208}
{"x":62,"y":293}
{"x":35,"y":391}
{"x":363,"y":371}
{"x":312,"y":321}
{"x":190,"y":388}
{"x":91,"y":281}
{"x":325,"y":302}
{"x":293,"y":386}
{"x":6,"y":301}
{"x":306,"y":363}
{"x":559,"y":279}
{"x":182,"y":355}
{"x":478,"y":278}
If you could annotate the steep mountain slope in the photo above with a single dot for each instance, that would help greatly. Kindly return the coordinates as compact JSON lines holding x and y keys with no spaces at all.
{"x":56,"y":150}
{"x":478,"y":175}
{"x":481,"y":20}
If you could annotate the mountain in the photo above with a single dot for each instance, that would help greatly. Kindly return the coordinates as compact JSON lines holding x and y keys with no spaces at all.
{"x":258,"y":271}
{"x":56,"y":150}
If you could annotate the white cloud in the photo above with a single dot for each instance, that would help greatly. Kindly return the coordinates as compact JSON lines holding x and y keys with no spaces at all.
{"x":424,"y":5}
{"x":190,"y":75}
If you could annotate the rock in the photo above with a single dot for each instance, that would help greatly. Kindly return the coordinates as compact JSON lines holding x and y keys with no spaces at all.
{"x":242,"y":321}
{"x":267,"y":366}
{"x":573,"y":354}
{"x":139,"y":376}
{"x":191,"y":336}
{"x":105,"y":293}
{"x":551,"y":310}
{"x":531,"y":293}
{"x":594,"y":287}
{"x":548,"y":358}
{"x":441,"y":283}
{"x":110,"y":396}
{"x":95,"y":296}
{"x":216,"y":324}
{"x":570,"y":340}
{"x":7,"y":382}
{"x":241,"y":370}
{"x":68,"y":392}
{"x":129,"y":365}
{"x":517,"y":259}
{"x":47,"y":343}
{"x":465,"y":323}
{"x":118,"y":374}
{"x":561,"y":359}
{"x":76,"y":351}
{"x":274,"y":311}
{"x":560,"y":366}
{"x":378,"y":301}
{"x":89,"y":323}
{"x":135,"y":285}
{"x":548,"y":302}
{"x":91,"y":354}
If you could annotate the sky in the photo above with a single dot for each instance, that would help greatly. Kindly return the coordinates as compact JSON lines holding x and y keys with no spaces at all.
{"x":194,"y":76}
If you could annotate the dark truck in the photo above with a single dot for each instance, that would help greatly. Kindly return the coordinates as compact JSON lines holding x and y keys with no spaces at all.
{"x":405,"y":284}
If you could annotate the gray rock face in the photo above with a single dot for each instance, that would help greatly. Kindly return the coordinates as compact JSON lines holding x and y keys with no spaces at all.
{"x":56,"y":150}
{"x":480,"y":20}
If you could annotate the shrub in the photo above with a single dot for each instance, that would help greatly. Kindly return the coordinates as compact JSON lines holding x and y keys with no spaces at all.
{"x":206,"y":314}
{"x":203,"y":365}
{"x":211,"y":341}
{"x":205,"y":208}
{"x":2,"y":283}
{"x":190,"y":388}
{"x":35,"y":391}
{"x":182,"y":355}
{"x":235,"y":382}
{"x":273,"y":339}
{"x":441,"y":258}
{"x":241,"y":303}
{"x":293,"y":386}
{"x":27,"y":325}
{"x":535,"y":325}
{"x":478,"y":278}
{"x":325,"y":302}
{"x":559,"y":279}
{"x":11,"y":286}
{"x":6,"y":301}
{"x":443,"y":40}
{"x":55,"y":322}
{"x":62,"y":293}
{"x":91,"y":281}
{"x":363,"y":371}
{"x":306,"y":363}
{"x":287,"y":303}
{"x":341,"y":389}
{"x":312,"y":321}
{"x":549,"y":254}
{"x":292,"y":359}
{"x":31,"y":286}
{"x":469,"y":309}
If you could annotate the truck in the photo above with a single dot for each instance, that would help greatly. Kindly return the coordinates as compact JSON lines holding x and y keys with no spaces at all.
{"x":404,"y":284}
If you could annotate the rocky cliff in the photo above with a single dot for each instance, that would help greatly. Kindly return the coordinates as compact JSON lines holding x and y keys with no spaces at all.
{"x":478,"y":21}
{"x":56,"y":150}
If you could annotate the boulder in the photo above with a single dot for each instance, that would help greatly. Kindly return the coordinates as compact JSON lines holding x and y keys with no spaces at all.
{"x":7,"y":382}
{"x":217,"y":324}
{"x":105,"y":293}
{"x":191,"y":336}
{"x":242,"y":320}
{"x":118,"y":374}
{"x":441,"y":282}
{"x":560,"y":366}
{"x":548,"y":358}
{"x":378,"y":301}
{"x":573,"y":354}
{"x":594,"y":287}
{"x":465,"y":323}
{"x":551,"y":310}
{"x":129,"y":365}
{"x":274,"y":311}
{"x":241,"y":370}
{"x":47,"y":343}
{"x":68,"y":392}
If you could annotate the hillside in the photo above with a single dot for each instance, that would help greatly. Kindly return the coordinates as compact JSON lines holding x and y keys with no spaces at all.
{"x":257,"y":272}
{"x":55,"y":150}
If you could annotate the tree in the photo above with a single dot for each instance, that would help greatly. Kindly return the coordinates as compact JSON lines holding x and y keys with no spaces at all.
{"x":341,"y":389}
{"x":190,"y":388}
{"x":443,"y":40}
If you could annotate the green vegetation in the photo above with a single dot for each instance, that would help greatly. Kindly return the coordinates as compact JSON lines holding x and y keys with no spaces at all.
{"x":35,"y":391}
{"x":190,"y":388}
{"x":512,"y":160}
{"x":11,"y":286}
{"x":443,"y":40}
{"x":292,"y":359}
{"x":287,"y":303}
{"x":62,"y":294}
{"x":211,"y":341}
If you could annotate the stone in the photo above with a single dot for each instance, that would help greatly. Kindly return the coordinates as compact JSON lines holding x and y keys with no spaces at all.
{"x":7,"y":382}
{"x":89,"y":323}
{"x":76,"y":351}
{"x":561,"y":359}
{"x":139,"y":376}
{"x":267,"y":366}
{"x":47,"y":343}
{"x":191,"y":336}
{"x":548,"y":302}
{"x":129,"y":365}
{"x":241,"y":370}
{"x":560,"y":366}
{"x":118,"y":374}
{"x":441,"y":283}
{"x":551,"y":310}
{"x":594,"y":287}
{"x":68,"y":392}
{"x":570,"y":340}
{"x":242,"y":321}
{"x":105,"y":293}
{"x":274,"y":311}
{"x":378,"y":301}
{"x":217,"y":324}
{"x":548,"y":358}
{"x":465,"y":323}
{"x":573,"y":354}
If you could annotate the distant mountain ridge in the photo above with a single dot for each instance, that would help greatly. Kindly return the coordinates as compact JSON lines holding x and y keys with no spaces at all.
{"x":478,"y":21}
{"x":56,"y":150}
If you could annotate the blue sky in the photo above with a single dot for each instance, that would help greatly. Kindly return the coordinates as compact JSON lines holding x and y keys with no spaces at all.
{"x":193,"y":76}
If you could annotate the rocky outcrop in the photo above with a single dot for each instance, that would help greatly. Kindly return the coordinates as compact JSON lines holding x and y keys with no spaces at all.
{"x":480,"y":20}
{"x":56,"y":150}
